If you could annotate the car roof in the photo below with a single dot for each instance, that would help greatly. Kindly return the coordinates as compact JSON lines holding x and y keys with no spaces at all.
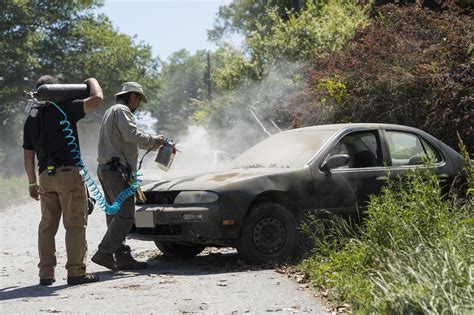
{"x":335,"y":127}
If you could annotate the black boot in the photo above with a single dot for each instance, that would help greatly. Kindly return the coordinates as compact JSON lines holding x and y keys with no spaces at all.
{"x":104,"y":259}
{"x":82,"y":279}
{"x":47,"y":281}
{"x":125,"y":261}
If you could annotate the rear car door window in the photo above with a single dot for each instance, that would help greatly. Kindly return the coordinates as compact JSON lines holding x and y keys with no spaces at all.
{"x":410,"y":149}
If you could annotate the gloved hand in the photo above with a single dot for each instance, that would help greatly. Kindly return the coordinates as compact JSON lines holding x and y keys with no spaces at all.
{"x":140,"y":196}
{"x":158,"y":141}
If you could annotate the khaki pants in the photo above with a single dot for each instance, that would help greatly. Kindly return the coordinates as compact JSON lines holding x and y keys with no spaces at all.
{"x":63,"y":193}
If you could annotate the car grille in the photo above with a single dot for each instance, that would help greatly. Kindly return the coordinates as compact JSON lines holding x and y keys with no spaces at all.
{"x":160,"y":197}
{"x":162,"y":229}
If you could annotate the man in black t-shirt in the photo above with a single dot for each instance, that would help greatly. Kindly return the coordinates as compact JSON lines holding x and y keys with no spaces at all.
{"x":61,"y":189}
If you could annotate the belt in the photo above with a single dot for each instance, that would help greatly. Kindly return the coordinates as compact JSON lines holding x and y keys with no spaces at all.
{"x":60,"y":168}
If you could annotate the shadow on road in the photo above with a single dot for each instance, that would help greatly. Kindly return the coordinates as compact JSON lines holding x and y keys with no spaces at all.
{"x":211,"y":263}
{"x":205,"y":264}
{"x":34,"y":291}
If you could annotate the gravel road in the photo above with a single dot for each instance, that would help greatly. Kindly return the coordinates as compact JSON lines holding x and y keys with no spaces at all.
{"x":215,"y":282}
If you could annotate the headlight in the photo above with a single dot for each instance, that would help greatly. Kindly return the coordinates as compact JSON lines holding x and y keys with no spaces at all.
{"x":192,"y":197}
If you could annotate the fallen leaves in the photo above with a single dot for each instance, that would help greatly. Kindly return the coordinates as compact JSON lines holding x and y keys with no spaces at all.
{"x":293,"y":273}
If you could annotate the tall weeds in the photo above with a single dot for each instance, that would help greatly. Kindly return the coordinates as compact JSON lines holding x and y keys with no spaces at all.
{"x":414,"y":253}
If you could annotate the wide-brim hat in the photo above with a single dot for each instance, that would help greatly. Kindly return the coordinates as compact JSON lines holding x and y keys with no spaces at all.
{"x":129,"y":87}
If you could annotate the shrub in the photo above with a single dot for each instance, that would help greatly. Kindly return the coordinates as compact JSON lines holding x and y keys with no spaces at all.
{"x":412,"y":254}
{"x":316,"y":30}
{"x":408,"y":212}
{"x":410,"y":65}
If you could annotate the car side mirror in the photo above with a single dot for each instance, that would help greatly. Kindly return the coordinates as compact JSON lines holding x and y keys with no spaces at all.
{"x":335,"y":161}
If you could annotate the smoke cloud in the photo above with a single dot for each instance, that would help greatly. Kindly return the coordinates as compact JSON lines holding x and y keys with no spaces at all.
{"x":245,"y":118}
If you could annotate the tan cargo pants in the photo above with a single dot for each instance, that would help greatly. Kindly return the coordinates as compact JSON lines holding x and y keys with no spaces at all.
{"x":63,"y":193}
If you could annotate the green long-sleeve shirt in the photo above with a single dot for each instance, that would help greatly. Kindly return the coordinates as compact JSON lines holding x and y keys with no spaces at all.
{"x":120,"y":137}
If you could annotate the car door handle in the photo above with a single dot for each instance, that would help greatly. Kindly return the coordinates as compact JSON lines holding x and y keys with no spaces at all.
{"x":381,"y":178}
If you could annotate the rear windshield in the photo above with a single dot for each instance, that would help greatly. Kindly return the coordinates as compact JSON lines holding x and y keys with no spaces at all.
{"x":286,"y":150}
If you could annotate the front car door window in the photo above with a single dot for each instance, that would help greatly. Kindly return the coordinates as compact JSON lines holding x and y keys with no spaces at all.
{"x":348,"y":187}
{"x":364,"y":150}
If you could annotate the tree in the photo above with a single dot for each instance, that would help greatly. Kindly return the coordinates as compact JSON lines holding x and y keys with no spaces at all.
{"x":182,"y":81}
{"x":410,"y":66}
{"x":266,"y":76}
{"x":244,"y":16}
{"x":316,"y":30}
{"x":67,"y":39}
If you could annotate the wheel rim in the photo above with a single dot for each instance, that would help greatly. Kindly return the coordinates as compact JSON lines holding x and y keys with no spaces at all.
{"x":269,"y":235}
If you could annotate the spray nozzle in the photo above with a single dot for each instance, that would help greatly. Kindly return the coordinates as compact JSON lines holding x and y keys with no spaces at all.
{"x":32,"y":104}
{"x":170,"y":143}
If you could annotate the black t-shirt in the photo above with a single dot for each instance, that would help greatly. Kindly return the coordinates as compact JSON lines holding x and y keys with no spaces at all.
{"x":44,"y":134}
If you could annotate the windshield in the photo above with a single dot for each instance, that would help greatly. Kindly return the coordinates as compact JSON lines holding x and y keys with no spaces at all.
{"x":287,"y":149}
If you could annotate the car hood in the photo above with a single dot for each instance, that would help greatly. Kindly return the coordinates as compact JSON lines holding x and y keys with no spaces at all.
{"x":212,"y":180}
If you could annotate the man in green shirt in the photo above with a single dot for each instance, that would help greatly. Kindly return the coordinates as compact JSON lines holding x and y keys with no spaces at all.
{"x":119,"y":141}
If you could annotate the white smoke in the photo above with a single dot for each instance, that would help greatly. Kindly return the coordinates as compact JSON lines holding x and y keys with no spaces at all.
{"x":211,"y":148}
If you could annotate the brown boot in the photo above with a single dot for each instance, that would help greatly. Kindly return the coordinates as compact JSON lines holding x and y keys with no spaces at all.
{"x":125,"y":261}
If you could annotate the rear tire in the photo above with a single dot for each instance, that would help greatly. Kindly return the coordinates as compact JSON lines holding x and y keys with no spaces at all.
{"x":179,"y":250}
{"x":269,"y":233}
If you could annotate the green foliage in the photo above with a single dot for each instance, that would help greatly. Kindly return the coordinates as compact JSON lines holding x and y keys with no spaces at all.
{"x":243,"y":16}
{"x":67,"y":39}
{"x":233,"y":69}
{"x":309,"y":33}
{"x":470,"y":51}
{"x":408,"y":66}
{"x":433,"y":278}
{"x":468,"y":167}
{"x":405,"y":217}
{"x":334,"y":88}
{"x":325,"y":237}
{"x":182,"y":81}
{"x":268,"y":74}
{"x":412,"y":254}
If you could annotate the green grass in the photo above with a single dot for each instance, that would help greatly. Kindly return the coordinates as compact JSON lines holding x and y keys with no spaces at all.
{"x":430,"y":279}
{"x":413,"y":253}
{"x":14,"y":190}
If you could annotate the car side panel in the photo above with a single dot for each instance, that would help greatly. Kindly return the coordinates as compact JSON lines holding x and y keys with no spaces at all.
{"x":238,"y":197}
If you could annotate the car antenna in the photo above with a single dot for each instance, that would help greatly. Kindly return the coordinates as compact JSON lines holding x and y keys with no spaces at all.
{"x":259,"y":122}
{"x":275,"y":125}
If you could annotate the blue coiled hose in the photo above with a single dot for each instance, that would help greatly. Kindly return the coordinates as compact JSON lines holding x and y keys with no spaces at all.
{"x":94,"y":190}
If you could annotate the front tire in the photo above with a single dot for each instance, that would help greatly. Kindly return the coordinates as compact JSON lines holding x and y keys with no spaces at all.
{"x":269,"y":233}
{"x":179,"y":250}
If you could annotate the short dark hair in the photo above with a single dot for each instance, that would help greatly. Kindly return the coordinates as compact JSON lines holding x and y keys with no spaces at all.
{"x":46,"y":79}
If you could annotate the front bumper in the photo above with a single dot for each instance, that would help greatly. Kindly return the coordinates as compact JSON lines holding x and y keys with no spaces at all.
{"x":200,"y":224}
